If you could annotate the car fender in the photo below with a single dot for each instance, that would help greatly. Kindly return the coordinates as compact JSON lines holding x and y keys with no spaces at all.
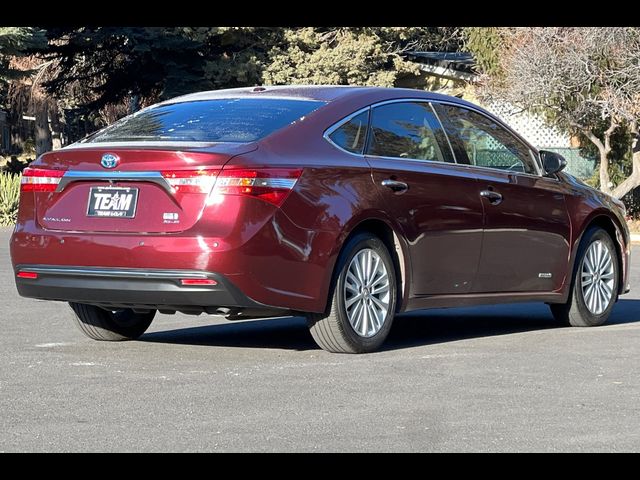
{"x":399,"y":248}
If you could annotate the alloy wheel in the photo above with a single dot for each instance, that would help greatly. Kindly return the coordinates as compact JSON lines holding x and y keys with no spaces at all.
{"x":597,"y":277}
{"x":366,"y":293}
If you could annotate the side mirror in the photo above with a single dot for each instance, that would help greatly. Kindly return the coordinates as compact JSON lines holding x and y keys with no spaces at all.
{"x":552,"y":162}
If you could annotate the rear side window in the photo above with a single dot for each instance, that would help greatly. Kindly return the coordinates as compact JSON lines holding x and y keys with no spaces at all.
{"x":351,"y":135}
{"x":218,"y":120}
{"x":408,"y":130}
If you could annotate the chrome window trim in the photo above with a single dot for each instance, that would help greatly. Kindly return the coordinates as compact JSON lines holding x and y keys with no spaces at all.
{"x":327,"y":133}
{"x":536,"y":155}
{"x":417,"y":160}
{"x":505,"y":172}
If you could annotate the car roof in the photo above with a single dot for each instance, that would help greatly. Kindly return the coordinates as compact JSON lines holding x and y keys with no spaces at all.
{"x":301,"y":92}
{"x":324,"y":93}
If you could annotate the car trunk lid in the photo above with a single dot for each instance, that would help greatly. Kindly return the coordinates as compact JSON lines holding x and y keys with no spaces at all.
{"x":129,"y":190}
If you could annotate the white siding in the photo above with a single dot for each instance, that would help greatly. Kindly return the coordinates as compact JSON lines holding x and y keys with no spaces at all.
{"x":532,"y":127}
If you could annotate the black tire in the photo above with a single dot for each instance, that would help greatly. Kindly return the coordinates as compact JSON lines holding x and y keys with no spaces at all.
{"x":332,"y":330}
{"x":116,"y":326}
{"x":575,"y":312}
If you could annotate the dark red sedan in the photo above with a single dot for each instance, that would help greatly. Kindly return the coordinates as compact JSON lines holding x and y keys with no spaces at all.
{"x":344,"y":204}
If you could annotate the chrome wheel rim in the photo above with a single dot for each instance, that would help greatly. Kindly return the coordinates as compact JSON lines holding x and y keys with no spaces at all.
{"x":366,"y":293}
{"x":597,"y":277}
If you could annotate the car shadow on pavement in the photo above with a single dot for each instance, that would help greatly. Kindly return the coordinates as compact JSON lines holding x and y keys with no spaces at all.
{"x":424,"y":327}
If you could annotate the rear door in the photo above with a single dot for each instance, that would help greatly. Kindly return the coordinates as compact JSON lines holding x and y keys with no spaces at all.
{"x":435,"y":202}
{"x":526,"y":227}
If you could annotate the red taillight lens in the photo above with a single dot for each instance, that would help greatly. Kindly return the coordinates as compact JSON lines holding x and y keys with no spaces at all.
{"x":198,"y":281}
{"x":30,"y":275}
{"x":190,"y":181}
{"x":40,"y":179}
{"x":270,"y":185}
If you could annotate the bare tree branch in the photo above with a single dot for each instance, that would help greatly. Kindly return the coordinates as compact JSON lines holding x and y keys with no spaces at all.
{"x":578,"y":77}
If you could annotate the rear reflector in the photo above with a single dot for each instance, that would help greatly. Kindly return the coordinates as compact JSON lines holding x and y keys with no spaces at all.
{"x":31,"y":275}
{"x":198,"y":281}
{"x":270,"y":185}
{"x":40,"y":179}
{"x":190,"y":181}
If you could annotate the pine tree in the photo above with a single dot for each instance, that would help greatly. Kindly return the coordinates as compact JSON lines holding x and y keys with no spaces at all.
{"x":352,"y":56}
{"x":105,"y":65}
{"x":16,"y":42}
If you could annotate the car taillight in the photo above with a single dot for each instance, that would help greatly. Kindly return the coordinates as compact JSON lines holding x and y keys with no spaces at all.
{"x":270,"y":185}
{"x":190,"y":181}
{"x":40,"y":179}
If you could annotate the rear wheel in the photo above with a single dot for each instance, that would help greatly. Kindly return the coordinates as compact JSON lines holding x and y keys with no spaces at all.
{"x":594,"y":290}
{"x":111,"y":326}
{"x":363,"y":301}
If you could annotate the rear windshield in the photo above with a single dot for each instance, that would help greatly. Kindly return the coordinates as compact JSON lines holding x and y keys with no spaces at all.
{"x":219,"y":120}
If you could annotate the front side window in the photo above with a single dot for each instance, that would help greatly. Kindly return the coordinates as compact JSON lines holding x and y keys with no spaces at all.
{"x":484,"y":143}
{"x":352,"y":134}
{"x":210,"y":121}
{"x":408,"y":130}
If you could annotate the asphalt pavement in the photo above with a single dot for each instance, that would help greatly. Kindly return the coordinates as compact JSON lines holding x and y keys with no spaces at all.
{"x":495,"y":378}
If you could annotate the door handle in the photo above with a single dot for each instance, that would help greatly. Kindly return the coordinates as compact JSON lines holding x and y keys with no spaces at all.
{"x":494,"y":197}
{"x":395,"y":186}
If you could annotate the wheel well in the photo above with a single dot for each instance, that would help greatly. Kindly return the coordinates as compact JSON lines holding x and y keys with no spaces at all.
{"x":385,"y":233}
{"x":604,"y":222}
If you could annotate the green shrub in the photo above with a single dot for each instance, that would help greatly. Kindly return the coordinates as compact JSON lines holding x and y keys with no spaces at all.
{"x":9,"y":197}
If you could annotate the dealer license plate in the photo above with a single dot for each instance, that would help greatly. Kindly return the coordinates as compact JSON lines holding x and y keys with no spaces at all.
{"x":112,"y":202}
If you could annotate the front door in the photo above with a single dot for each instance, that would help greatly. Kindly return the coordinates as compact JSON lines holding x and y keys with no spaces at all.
{"x":526,"y":226}
{"x":435,"y":202}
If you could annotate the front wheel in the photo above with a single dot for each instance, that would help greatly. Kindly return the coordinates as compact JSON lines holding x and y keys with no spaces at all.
{"x":594,"y":290}
{"x":111,"y":326}
{"x":363,"y":301}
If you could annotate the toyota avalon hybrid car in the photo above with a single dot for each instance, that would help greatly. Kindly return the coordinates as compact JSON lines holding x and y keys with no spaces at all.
{"x":347,"y":205}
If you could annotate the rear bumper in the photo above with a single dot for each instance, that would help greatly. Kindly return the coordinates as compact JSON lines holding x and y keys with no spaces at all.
{"x":137,"y":288}
{"x":275,"y":263}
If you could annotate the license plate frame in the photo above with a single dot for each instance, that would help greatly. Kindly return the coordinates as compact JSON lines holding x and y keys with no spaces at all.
{"x":107,"y":207}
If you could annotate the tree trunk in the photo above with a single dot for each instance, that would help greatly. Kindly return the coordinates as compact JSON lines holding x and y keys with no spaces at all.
{"x":17,"y":140}
{"x":42,"y":130}
{"x":605,"y":180}
{"x":56,"y":128}
{"x":604,"y":149}
{"x":633,"y":180}
{"x":134,"y":104}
